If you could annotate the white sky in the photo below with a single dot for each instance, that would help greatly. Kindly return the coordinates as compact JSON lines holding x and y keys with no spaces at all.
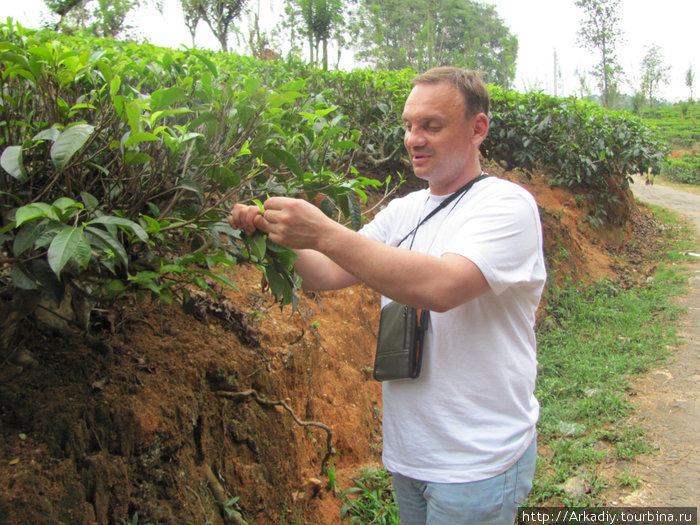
{"x":543,"y":27}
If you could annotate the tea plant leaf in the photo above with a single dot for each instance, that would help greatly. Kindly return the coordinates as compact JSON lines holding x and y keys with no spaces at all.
{"x":22,"y":280}
{"x":164,"y":98}
{"x":258,"y":246}
{"x":139,"y":136}
{"x":68,"y":244}
{"x":277,"y":157}
{"x":48,"y":281}
{"x":68,"y":143}
{"x":111,"y":243}
{"x":118,"y":221}
{"x":26,"y":237}
{"x":192,"y":186}
{"x":47,"y":134}
{"x":11,"y":161}
{"x":355,"y":213}
{"x":208,"y":63}
{"x":65,"y":203}
{"x":34,"y":211}
{"x":114,"y":86}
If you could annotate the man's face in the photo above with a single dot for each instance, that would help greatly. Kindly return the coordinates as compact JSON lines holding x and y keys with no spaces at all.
{"x":438,"y":134}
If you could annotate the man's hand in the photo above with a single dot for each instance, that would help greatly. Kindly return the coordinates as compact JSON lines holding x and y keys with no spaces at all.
{"x":294,"y":223}
{"x":245,"y":217}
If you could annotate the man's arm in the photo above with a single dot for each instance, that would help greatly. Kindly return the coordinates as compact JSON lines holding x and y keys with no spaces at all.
{"x":317,"y":271}
{"x":343,"y":255}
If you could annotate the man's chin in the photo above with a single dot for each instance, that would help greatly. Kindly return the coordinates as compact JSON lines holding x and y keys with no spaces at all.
{"x":421,"y":173}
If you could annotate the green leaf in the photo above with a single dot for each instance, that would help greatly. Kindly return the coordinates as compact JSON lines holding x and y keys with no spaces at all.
{"x":48,"y":280}
{"x":277,"y":157}
{"x":224,"y":176}
{"x":118,"y":221}
{"x":35,"y":211}
{"x":164,"y":98}
{"x":69,"y":143}
{"x":258,"y":245}
{"x":208,"y":63}
{"x":22,"y":280}
{"x":114,"y":86}
{"x":251,"y":85}
{"x":133,"y":115}
{"x":111,"y":243}
{"x":26,"y":237}
{"x":140,"y":136}
{"x":132,"y":158}
{"x":193,"y":186}
{"x":11,"y":161}
{"x":47,"y":134}
{"x":63,"y":203}
{"x":355,"y":213}
{"x":89,"y":200}
{"x":68,"y":244}
{"x":221,"y":278}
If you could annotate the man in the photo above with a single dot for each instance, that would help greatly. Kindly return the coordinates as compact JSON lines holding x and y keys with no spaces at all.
{"x":459,"y":440}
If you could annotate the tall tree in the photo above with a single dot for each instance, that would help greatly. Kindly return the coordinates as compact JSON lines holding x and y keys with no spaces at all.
{"x":111,"y":15}
{"x":192,"y":16}
{"x":320,"y":17}
{"x":654,"y":72}
{"x":219,"y":15}
{"x":66,"y":9}
{"x":107,"y":18}
{"x":394,"y":34}
{"x":600,"y":32}
{"x":317,"y":22}
{"x":689,"y":80}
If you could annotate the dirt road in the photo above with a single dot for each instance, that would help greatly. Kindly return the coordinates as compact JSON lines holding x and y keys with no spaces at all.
{"x":667,"y":398}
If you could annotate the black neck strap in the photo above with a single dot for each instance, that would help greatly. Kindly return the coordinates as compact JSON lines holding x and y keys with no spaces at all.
{"x":461,"y":191}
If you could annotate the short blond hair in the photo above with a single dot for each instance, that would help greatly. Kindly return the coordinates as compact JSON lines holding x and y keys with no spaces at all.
{"x":469,"y":82}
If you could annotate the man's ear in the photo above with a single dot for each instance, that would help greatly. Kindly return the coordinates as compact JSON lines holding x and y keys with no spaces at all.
{"x":481,"y":128}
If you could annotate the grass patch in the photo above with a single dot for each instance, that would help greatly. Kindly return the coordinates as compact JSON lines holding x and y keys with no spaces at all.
{"x":603,"y":337}
{"x":371,"y":500}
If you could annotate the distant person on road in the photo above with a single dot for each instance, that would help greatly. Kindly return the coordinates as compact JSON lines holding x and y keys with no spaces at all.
{"x":459,"y":440}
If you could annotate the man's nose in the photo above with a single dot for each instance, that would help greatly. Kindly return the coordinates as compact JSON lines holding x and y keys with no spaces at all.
{"x":414,"y":138}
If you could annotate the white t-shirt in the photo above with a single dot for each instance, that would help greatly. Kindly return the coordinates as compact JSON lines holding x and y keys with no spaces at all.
{"x":472,"y":412}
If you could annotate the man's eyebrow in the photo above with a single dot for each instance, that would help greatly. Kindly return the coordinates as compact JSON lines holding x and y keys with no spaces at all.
{"x":430,"y":118}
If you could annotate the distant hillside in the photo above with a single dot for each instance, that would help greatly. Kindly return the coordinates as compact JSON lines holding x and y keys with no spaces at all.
{"x":678,"y":124}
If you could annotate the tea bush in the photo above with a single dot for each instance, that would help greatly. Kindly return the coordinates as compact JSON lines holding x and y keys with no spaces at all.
{"x":121,"y":160}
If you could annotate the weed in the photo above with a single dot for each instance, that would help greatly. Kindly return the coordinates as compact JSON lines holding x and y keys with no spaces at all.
{"x":626,"y":479}
{"x":371,"y":500}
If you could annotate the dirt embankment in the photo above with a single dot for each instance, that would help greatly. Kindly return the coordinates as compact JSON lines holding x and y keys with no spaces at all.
{"x":173,"y":412}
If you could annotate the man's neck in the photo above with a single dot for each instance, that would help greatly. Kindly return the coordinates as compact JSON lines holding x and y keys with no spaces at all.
{"x":453,"y":185}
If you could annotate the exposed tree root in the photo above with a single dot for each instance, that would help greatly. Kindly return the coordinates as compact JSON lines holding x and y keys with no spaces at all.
{"x":262,"y":401}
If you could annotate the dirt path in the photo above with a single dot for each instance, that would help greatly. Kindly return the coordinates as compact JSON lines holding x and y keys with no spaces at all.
{"x":667,"y":398}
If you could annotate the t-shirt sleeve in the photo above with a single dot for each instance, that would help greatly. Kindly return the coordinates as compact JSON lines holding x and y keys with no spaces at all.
{"x":503,"y":238}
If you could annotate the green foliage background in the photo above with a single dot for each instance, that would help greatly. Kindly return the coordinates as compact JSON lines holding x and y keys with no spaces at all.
{"x":120,"y":160}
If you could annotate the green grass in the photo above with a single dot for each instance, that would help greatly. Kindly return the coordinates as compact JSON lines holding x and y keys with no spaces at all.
{"x":603,"y":337}
{"x":593,"y":344}
{"x":371,"y":500}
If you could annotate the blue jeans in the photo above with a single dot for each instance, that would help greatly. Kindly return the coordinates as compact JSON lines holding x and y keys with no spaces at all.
{"x":493,"y":501}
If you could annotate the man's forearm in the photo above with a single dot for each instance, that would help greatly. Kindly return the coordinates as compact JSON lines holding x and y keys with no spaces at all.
{"x":318,"y":272}
{"x":409,"y":277}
